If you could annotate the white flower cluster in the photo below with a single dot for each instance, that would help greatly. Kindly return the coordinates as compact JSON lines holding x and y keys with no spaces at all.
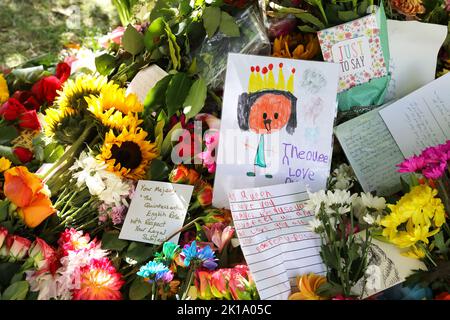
{"x":342,"y":178}
{"x":366,"y":207}
{"x":91,"y":173}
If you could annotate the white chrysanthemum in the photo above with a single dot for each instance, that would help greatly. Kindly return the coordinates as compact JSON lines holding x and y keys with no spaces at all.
{"x":314,"y":225}
{"x":370,"y":201}
{"x":115,"y":189}
{"x":315,"y":201}
{"x":89,"y":173}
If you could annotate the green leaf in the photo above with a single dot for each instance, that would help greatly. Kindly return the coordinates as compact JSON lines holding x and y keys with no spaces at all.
{"x":16,"y":291}
{"x":132,"y":40}
{"x":193,"y":67}
{"x":8,"y":153}
{"x":105,"y":64}
{"x":167,"y":143}
{"x":440,"y":243}
{"x":309,"y":18}
{"x":211,"y":20}
{"x":158,"y":170}
{"x":228,"y":25}
{"x":195,"y":99}
{"x":140,"y":252}
{"x":347,"y":15}
{"x":362,"y":8}
{"x":307,"y":29}
{"x":155,"y":98}
{"x":111,"y":241}
{"x":7,"y":134}
{"x":174,"y":49}
{"x":4,"y":205}
{"x":152,"y":37}
{"x":159,"y":134}
{"x":177,"y":92}
{"x":139,"y":289}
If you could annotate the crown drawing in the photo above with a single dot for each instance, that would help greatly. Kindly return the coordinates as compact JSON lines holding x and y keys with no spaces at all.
{"x":264,"y":79}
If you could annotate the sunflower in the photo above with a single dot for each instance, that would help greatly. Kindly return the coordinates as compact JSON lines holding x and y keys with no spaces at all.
{"x":75,"y":91}
{"x":128,"y":154}
{"x":115,"y":110}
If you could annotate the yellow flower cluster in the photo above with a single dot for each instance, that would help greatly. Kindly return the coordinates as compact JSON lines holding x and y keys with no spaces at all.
{"x":416,"y":217}
{"x":4,"y":93}
{"x":307,"y":286}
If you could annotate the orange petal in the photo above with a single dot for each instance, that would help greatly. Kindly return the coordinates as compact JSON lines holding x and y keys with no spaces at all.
{"x":31,"y":180}
{"x":16,"y":190}
{"x":39,"y":210}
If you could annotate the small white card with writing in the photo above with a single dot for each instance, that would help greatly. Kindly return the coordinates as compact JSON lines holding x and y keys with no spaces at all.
{"x":157,"y":210}
{"x":145,"y":80}
{"x":272,"y":227}
{"x":277,"y":124}
{"x":422,"y":118}
{"x":372,"y":152}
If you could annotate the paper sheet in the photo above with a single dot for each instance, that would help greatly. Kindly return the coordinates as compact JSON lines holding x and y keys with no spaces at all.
{"x":157,"y":210}
{"x":413,"y":47}
{"x":270,"y":134}
{"x":271,"y":225}
{"x":386,"y":268}
{"x":372,"y":152}
{"x":421,"y":119}
{"x":145,"y":80}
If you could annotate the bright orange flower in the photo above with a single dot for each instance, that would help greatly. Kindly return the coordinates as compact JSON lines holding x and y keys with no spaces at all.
{"x":308,"y":285}
{"x":26,"y":191}
{"x":298,"y":46}
{"x":443,"y":296}
{"x":409,"y":8}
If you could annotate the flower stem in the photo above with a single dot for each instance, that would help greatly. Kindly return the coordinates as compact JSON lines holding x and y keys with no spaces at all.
{"x":190,"y":278}
{"x":185,"y":227}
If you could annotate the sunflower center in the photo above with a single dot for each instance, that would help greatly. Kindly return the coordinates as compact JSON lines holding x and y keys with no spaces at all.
{"x":128,"y":155}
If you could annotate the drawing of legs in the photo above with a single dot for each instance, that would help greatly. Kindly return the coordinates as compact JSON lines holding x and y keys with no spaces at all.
{"x":260,"y":160}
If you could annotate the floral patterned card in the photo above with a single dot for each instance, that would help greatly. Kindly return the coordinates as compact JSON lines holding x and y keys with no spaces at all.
{"x":356,"y":46}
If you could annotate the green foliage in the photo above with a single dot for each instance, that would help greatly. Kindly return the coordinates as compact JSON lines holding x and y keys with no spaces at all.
{"x":228,"y":25}
{"x":105,"y":64}
{"x":132,"y":40}
{"x":7,"y":134}
{"x":195,"y":99}
{"x":158,"y":170}
{"x":211,"y":20}
{"x":16,"y":291}
{"x":140,"y":252}
{"x":155,"y":31}
{"x":139,"y":289}
{"x":111,"y":241}
{"x":177,"y":91}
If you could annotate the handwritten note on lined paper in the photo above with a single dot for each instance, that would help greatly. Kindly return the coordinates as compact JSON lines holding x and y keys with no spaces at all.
{"x":271,"y":225}
{"x":157,"y":210}
{"x":372,"y":152}
{"x":422,"y":118}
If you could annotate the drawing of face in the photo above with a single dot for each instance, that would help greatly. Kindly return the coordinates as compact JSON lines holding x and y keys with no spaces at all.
{"x":269,"y":113}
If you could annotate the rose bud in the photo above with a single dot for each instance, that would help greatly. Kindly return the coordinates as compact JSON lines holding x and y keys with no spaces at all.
{"x":183,"y":175}
{"x":204,"y":194}
{"x":3,"y":235}
{"x":62,"y":71}
{"x":45,"y":89}
{"x":19,"y":247}
{"x":12,"y":109}
{"x":23,"y":154}
{"x":29,"y":120}
{"x":42,"y":254}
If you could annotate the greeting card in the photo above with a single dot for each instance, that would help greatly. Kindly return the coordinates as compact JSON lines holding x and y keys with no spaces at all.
{"x":277,"y":123}
{"x":356,"y":46}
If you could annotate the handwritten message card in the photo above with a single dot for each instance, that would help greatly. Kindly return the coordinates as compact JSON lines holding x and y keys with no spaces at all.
{"x":356,"y":46}
{"x":157,"y":210}
{"x":372,"y":152}
{"x":145,"y":80}
{"x":271,"y":224}
{"x":422,"y":118}
{"x":277,"y":124}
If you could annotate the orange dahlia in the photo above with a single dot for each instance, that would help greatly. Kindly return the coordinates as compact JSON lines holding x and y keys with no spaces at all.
{"x":99,"y":281}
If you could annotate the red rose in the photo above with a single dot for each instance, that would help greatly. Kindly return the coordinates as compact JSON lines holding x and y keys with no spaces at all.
{"x":12,"y":109}
{"x":45,"y":89}
{"x":27,"y":99}
{"x":23,"y":154}
{"x":62,"y":71}
{"x":29,"y":120}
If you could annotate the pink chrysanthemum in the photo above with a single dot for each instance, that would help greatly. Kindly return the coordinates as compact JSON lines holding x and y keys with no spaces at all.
{"x":99,"y":281}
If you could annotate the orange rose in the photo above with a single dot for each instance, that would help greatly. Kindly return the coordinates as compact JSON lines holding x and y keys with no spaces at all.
{"x":409,"y":8}
{"x":26,"y":191}
{"x":182,"y":174}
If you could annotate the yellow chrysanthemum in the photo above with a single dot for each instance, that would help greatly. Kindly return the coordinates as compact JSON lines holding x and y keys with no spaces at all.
{"x":53,"y":117}
{"x":307,"y":286}
{"x":128,"y":154}
{"x":5,"y":164}
{"x":414,"y":252}
{"x":415,"y":218}
{"x":115,"y":114}
{"x":74,"y":92}
{"x":4,"y":93}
